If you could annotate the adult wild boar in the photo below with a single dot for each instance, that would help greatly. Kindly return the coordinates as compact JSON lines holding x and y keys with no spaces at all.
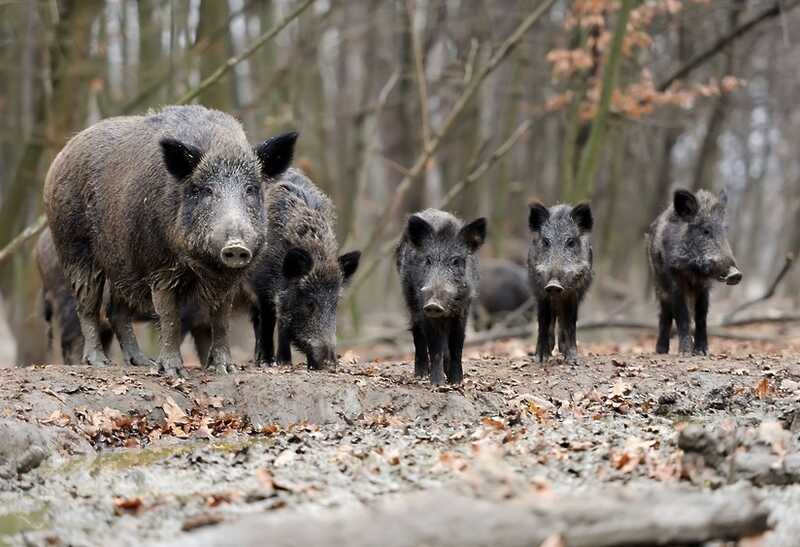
{"x":560,"y":272}
{"x":166,"y":208}
{"x":688,"y":248}
{"x":298,"y":279}
{"x":439,"y":272}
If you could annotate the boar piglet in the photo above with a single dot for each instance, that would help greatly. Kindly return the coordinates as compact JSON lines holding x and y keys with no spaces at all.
{"x":504,"y":289}
{"x":688,"y":248}
{"x":560,"y":272}
{"x":439,"y":272}
{"x":298,"y":279}
{"x":167,"y":208}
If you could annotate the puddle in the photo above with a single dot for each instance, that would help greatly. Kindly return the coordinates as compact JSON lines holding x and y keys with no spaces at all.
{"x":15,"y":523}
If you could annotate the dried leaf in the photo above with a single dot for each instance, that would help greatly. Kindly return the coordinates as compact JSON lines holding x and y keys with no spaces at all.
{"x":127,"y":505}
{"x":762,"y":389}
{"x":554,"y":540}
{"x":201,"y":520}
{"x":174,"y":413}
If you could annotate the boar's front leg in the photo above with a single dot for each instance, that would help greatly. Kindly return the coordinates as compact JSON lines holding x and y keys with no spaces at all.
{"x":265,"y":346}
{"x":567,"y":324}
{"x":219,"y":359}
{"x":422,"y":366}
{"x":436,"y":351}
{"x":284,"y":356}
{"x":700,"y":325}
{"x":455,"y":342}
{"x":545,"y":342}
{"x":681,"y":313}
{"x":169,"y":319}
{"x":664,"y":325}
{"x":121,"y":318}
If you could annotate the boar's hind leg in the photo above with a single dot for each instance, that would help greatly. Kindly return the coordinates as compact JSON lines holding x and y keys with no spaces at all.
{"x":121,"y":318}
{"x":664,"y":326}
{"x":422,"y":367}
{"x":455,"y":341}
{"x":264,"y":329}
{"x":545,"y":341}
{"x":700,"y":328}
{"x":219,"y":358}
{"x":169,"y":319}
{"x":88,"y":284}
{"x":681,"y":313}
{"x":203,"y":337}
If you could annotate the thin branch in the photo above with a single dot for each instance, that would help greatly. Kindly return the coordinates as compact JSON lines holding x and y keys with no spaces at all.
{"x":496,"y":59}
{"x":419,"y":67}
{"x":787,"y":265}
{"x":453,"y":193}
{"x":15,"y":244}
{"x":236,"y":59}
{"x":720,"y":44}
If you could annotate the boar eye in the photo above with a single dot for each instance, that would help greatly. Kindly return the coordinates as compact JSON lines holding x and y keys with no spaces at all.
{"x":545,"y":242}
{"x":428,"y":260}
{"x":199,"y":191}
{"x":707,"y":232}
{"x":571,"y":243}
{"x":251,"y":190}
{"x":457,"y":262}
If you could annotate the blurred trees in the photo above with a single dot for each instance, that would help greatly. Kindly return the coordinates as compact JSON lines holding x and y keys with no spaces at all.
{"x":370,"y":85}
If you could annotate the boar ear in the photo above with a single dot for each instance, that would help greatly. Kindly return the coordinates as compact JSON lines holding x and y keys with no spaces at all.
{"x":418,"y":229}
{"x":537,"y":216}
{"x":179,"y":158}
{"x":348,"y":263}
{"x":276,"y":153}
{"x":685,"y":204}
{"x":297,"y":263}
{"x":474,"y":234}
{"x":723,"y":198}
{"x":582,"y":215}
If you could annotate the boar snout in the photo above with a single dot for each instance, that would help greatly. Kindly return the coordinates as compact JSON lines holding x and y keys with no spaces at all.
{"x":733,"y":276}
{"x":436,"y":297}
{"x":321,"y":356}
{"x":433,"y":309}
{"x":236,"y":254}
{"x":554,"y":287}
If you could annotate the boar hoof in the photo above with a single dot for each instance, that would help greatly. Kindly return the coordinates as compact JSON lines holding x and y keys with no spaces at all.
{"x":96,"y":359}
{"x":172,"y":367}
{"x":700,"y":350}
{"x":221,"y":369}
{"x":662,"y":348}
{"x":219,"y":361}
{"x":138,"y":360}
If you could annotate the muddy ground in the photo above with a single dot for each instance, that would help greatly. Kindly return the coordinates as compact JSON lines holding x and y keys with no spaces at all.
{"x":122,"y":456}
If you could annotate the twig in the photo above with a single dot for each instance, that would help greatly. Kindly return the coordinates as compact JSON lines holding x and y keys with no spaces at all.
{"x":720,"y":44}
{"x":419,"y":67}
{"x":459,"y":187}
{"x":236,"y":59}
{"x":787,"y":265}
{"x":474,"y":84}
{"x":762,"y":320}
{"x":26,"y":234}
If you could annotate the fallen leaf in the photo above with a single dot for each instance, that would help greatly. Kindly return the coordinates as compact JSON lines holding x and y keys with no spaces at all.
{"x":285,"y":458}
{"x":119,"y":389}
{"x":174,"y":413}
{"x":127,"y":505}
{"x":56,"y":418}
{"x":620,"y":389}
{"x":201,"y":520}
{"x":762,"y":389}
{"x":264,"y":478}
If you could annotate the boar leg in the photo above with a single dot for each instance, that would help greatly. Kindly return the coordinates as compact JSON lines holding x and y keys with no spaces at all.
{"x":567,"y":319}
{"x":90,"y":294}
{"x":455,"y":341}
{"x":169,"y":319}
{"x":219,"y":359}
{"x":121,"y":318}
{"x":266,"y":327}
{"x":700,"y":326}
{"x":681,"y":313}
{"x":284,"y":356}
{"x":422,"y":367}
{"x":203,"y":336}
{"x":545,"y":342}
{"x":436,"y":350}
{"x":664,"y":326}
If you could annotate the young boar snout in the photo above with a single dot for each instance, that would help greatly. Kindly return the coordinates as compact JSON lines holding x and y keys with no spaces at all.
{"x":554,"y":287}
{"x":732,"y":277}
{"x":321,"y":356}
{"x":435,"y":297}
